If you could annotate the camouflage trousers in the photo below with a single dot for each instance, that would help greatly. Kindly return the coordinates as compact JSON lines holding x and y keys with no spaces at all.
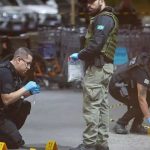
{"x":95,"y":104}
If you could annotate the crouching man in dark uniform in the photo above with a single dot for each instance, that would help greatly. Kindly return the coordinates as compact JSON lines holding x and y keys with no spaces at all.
{"x":13,"y":108}
{"x":130,"y":85}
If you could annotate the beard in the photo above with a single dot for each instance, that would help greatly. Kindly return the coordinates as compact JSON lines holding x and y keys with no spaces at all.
{"x":22,"y":73}
{"x":93,"y":12}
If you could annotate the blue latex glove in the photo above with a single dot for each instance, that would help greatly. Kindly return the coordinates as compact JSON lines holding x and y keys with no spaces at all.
{"x":35,"y":90}
{"x":30,"y":85}
{"x":74,"y":56}
{"x":148,"y":120}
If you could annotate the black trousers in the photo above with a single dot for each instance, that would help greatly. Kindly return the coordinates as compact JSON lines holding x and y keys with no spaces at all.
{"x":133,"y":111}
{"x":12,"y":120}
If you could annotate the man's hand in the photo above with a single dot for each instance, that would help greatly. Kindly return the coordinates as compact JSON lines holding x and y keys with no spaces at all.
{"x":35,"y":90}
{"x":74,"y":56}
{"x":30,"y":86}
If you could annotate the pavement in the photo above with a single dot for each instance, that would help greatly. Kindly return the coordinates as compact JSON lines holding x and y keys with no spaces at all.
{"x":57,"y":115}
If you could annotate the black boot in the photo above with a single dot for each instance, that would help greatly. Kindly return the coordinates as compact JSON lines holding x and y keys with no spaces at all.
{"x":120,"y":129}
{"x":10,"y":144}
{"x":139,"y":130}
{"x":102,"y":147}
{"x":84,"y":147}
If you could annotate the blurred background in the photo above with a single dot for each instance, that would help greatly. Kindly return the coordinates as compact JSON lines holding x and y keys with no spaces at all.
{"x":53,"y":29}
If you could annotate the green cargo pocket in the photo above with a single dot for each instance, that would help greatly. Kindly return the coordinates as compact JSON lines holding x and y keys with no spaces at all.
{"x":108,"y":70}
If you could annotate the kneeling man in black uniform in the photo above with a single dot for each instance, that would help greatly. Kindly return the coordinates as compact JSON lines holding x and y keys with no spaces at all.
{"x":130,"y":85}
{"x":13,"y":108}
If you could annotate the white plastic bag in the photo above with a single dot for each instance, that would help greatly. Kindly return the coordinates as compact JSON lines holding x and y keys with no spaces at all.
{"x":75,"y":70}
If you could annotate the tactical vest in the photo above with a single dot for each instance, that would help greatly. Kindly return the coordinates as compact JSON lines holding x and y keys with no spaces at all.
{"x":109,"y":47}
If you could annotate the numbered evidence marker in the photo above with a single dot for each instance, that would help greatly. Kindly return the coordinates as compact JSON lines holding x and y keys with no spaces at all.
{"x":148,"y":130}
{"x":51,"y":145}
{"x":3,"y":146}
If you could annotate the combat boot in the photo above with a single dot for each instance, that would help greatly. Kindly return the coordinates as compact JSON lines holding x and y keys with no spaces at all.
{"x":102,"y":147}
{"x":84,"y":147}
{"x":120,"y":129}
{"x":139,"y":130}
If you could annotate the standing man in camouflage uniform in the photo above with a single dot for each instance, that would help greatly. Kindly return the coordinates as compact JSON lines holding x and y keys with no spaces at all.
{"x":98,"y":56}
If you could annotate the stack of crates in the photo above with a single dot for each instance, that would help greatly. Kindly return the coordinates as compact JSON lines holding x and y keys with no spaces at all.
{"x":47,"y":42}
{"x":135,"y":41}
{"x":14,"y":42}
{"x":70,"y":43}
{"x":33,"y":40}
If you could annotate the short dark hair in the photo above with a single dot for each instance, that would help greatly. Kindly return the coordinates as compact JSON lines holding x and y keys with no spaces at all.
{"x":22,"y":52}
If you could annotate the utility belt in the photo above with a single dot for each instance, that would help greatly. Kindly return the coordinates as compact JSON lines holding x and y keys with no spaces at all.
{"x":101,"y":61}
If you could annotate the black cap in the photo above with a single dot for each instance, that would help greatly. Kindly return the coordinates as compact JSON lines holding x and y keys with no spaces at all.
{"x":82,"y":1}
{"x":85,"y":1}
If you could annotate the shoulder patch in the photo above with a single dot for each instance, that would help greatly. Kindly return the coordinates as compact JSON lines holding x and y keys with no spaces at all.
{"x":100,"y":27}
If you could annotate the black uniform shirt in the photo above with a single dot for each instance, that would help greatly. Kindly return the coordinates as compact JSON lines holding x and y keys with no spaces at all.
{"x":132,"y":77}
{"x":10,"y":81}
{"x":139,"y":75}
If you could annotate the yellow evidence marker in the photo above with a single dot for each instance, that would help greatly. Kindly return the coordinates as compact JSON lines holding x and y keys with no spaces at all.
{"x":3,"y":146}
{"x":148,"y":130}
{"x":51,"y":145}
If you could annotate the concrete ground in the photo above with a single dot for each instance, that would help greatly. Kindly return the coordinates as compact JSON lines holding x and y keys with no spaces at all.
{"x":57,"y":115}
